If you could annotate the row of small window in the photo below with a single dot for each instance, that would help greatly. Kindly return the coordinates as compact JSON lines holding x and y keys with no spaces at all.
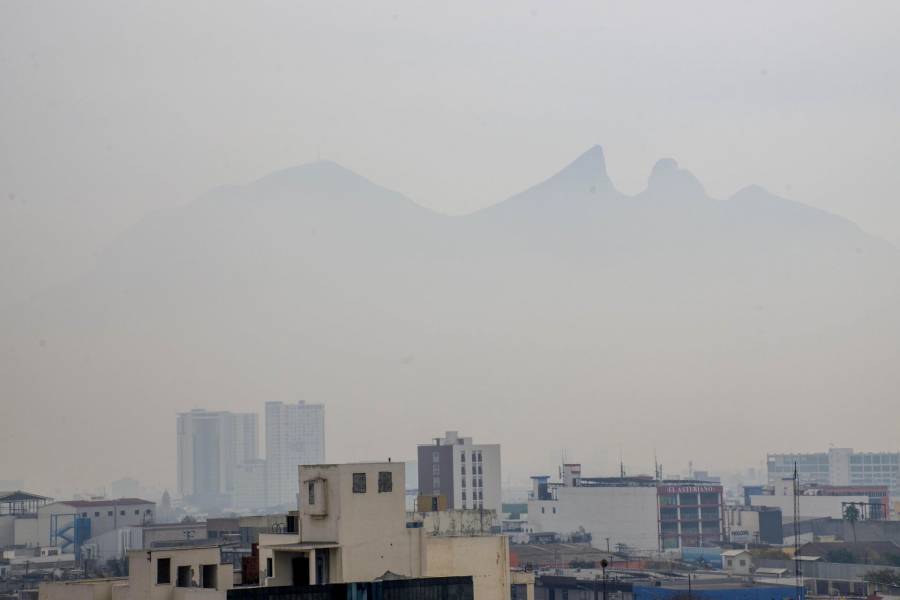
{"x":476,"y":456}
{"x":385,"y":484}
{"x":477,"y":482}
{"x":184,"y":576}
{"x":892,"y":459}
{"x":671,"y":514}
{"x":109,"y":513}
{"x":476,"y":470}
{"x":544,"y":512}
{"x":475,"y":496}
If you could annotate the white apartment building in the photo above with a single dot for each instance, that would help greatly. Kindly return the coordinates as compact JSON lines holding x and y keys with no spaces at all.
{"x":250,"y":485}
{"x":460,"y":474}
{"x":295,"y":435}
{"x":211,"y":444}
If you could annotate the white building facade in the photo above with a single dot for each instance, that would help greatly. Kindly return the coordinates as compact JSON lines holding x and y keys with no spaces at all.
{"x":295,"y":435}
{"x":838,"y":466}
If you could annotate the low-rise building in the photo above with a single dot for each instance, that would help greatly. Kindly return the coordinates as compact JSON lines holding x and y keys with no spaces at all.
{"x":70,"y":524}
{"x":816,"y":501}
{"x":753,"y":525}
{"x":631,"y":514}
{"x":182,"y":573}
{"x":737,"y":562}
{"x":353,"y":527}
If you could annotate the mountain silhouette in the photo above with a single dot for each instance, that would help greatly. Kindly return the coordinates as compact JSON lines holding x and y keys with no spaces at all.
{"x":569,"y":304}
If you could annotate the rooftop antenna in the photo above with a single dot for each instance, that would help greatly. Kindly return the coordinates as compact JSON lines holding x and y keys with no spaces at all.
{"x":621,"y":465}
{"x":656,"y":465}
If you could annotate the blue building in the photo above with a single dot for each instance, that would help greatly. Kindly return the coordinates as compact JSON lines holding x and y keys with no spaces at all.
{"x":731,"y":590}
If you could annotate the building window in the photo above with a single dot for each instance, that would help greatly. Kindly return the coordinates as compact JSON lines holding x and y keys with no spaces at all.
{"x":554,"y":510}
{"x":743,"y":562}
{"x":96,"y":513}
{"x":542,"y":510}
{"x":462,"y":457}
{"x":462,"y":470}
{"x":163,"y":570}
{"x":311,"y":492}
{"x":463,"y":496}
{"x":137,"y":511}
{"x":109,"y":513}
{"x":268,"y":567}
{"x":84,"y":514}
{"x":359,"y":483}
{"x":730,"y":563}
{"x":435,"y":456}
{"x":385,"y":482}
{"x":122,"y":513}
{"x":208,"y":576}
{"x":462,"y":483}
{"x":436,"y":469}
{"x":183,"y":577}
{"x":436,"y":484}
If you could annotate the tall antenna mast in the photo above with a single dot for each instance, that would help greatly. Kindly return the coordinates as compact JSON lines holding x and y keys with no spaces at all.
{"x":797,"y":572}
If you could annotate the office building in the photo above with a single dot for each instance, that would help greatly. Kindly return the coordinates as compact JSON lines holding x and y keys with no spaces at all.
{"x":839,"y":467}
{"x":211,"y":444}
{"x":295,"y":435}
{"x":455,"y":473}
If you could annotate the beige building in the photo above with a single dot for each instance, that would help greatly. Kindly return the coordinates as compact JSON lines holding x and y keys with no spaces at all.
{"x":160,"y":574}
{"x":352,"y":526}
{"x":737,"y":562}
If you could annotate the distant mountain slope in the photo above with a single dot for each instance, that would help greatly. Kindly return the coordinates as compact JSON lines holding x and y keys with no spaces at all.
{"x":569,"y":308}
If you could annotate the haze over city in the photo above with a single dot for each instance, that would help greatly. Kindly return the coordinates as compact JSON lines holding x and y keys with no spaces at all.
{"x":590,"y":230}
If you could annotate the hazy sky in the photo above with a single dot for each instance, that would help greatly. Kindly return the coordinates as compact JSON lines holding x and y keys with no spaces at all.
{"x":111,"y":110}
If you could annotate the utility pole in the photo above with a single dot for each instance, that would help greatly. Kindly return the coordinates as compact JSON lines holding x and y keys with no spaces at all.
{"x":798,"y":575}
{"x":607,"y":546}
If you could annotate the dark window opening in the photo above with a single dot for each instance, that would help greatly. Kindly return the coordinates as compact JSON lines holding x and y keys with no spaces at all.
{"x":208,"y":576}
{"x":183,"y":576}
{"x":359,"y":483}
{"x":163,"y":570}
{"x":311,"y":492}
{"x":268,"y":567}
{"x":385,"y":482}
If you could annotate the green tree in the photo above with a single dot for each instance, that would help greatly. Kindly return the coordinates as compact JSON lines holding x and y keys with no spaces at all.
{"x":851,"y":515}
{"x":883,"y":577}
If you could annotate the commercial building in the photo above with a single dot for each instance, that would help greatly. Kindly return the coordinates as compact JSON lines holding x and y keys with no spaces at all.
{"x":631,"y":514}
{"x":455,"y":473}
{"x":352,"y":526}
{"x":838,"y":466}
{"x":295,"y":435}
{"x":211,"y":444}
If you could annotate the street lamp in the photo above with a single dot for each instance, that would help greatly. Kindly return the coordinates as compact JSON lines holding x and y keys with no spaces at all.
{"x":603,"y":564}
